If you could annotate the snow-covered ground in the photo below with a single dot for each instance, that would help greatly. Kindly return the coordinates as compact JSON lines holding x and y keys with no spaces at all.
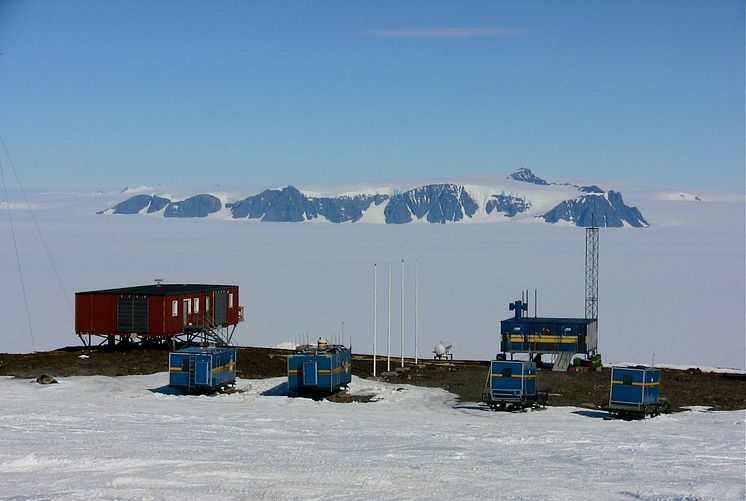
{"x":675,"y":289}
{"x":128,"y":438}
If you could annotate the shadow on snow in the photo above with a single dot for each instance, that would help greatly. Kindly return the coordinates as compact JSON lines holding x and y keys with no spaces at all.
{"x":593,"y":414}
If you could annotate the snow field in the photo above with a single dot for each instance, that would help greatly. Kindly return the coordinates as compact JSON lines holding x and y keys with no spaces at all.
{"x":129,"y":438}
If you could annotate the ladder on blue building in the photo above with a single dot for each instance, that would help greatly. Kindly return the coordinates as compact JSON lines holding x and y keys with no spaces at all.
{"x":192,"y":374}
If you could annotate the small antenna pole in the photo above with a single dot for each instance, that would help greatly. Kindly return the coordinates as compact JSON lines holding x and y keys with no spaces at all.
{"x":401,"y":328}
{"x":536,"y":300}
{"x":416,"y":308}
{"x":375,"y":315}
{"x":388,"y":329}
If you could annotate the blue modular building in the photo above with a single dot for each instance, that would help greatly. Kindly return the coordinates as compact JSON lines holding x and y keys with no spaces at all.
{"x":635,"y":392}
{"x":511,"y":384}
{"x":197,"y":369}
{"x":536,"y":335}
{"x":319,"y":370}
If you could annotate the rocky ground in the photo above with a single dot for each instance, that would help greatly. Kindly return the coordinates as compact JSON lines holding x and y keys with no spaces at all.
{"x":692,"y":387}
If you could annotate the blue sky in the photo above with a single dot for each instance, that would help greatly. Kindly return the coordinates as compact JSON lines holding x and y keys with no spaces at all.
{"x":107,"y":94}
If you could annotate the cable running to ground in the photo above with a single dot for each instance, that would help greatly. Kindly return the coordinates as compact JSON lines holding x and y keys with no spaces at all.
{"x":18,"y":257}
{"x":38,"y":229}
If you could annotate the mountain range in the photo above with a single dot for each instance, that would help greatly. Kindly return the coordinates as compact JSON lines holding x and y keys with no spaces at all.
{"x":521,"y":196}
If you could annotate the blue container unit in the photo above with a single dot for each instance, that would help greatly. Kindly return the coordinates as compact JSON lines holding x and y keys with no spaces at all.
{"x":522,"y":334}
{"x":511,"y":384}
{"x":635,"y":392}
{"x":198,"y":369}
{"x":320,"y":370}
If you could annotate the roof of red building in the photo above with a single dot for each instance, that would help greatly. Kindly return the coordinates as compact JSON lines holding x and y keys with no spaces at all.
{"x":162,"y":289}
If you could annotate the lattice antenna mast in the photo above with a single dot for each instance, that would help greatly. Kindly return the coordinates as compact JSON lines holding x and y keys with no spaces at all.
{"x":591,"y":271}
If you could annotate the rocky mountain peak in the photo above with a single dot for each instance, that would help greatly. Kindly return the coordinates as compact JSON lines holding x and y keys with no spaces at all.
{"x":525,"y":175}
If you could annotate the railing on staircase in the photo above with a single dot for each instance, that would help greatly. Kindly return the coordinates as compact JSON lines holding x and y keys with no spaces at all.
{"x":210,"y":332}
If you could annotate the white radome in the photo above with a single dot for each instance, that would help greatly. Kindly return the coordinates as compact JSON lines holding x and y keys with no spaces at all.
{"x":440,"y":349}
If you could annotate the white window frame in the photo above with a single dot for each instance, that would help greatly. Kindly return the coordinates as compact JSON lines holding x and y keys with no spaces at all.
{"x":196,"y":305}
{"x":175,"y":308}
{"x":230,"y":300}
{"x":207,"y":303}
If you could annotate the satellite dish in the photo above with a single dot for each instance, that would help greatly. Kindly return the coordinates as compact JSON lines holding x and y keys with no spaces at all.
{"x":442,"y":350}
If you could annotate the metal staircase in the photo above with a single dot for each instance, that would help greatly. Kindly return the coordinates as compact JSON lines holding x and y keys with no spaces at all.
{"x":562,"y":362}
{"x":210,"y":332}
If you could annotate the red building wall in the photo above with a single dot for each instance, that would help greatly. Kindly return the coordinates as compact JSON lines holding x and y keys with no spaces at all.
{"x":96,"y":313}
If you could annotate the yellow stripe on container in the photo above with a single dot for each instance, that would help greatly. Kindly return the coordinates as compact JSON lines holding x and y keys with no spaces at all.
{"x":537,"y":338}
{"x":216,"y":369}
{"x":229,"y":365}
{"x":634,"y":383}
{"x":338,"y":369}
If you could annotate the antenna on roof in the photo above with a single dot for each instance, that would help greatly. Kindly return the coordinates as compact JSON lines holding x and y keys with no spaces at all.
{"x":158,"y":281}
